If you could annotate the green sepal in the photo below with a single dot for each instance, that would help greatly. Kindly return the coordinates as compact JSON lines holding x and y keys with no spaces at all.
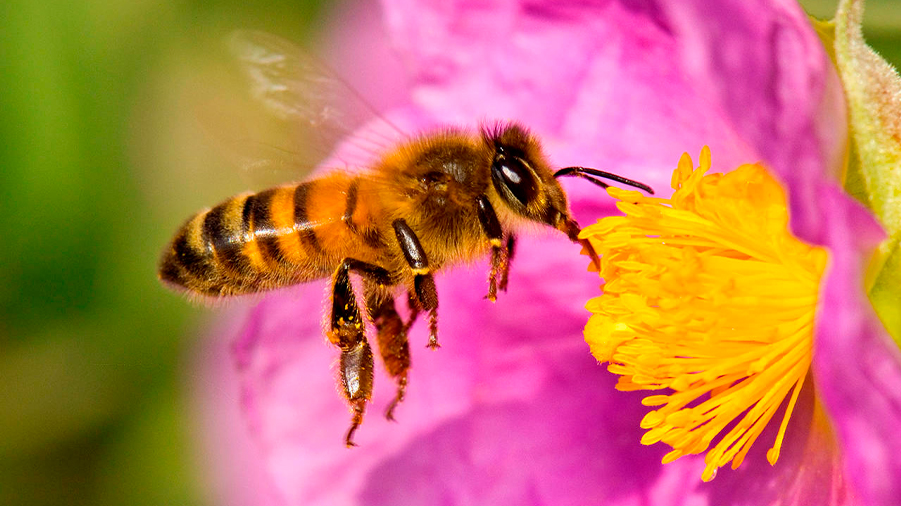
{"x":885,"y":288}
{"x":873,"y":174}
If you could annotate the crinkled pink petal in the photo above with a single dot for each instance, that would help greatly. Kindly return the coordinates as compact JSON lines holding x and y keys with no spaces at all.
{"x":233,"y":466}
{"x":499,"y":413}
{"x":797,"y":125}
{"x":809,"y":471}
{"x":762,"y":66}
{"x":596,"y":80}
{"x":785,"y":99}
{"x":512,"y":409}
{"x":857,"y":365}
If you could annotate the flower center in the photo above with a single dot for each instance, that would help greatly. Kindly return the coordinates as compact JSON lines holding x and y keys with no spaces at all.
{"x":708,"y":295}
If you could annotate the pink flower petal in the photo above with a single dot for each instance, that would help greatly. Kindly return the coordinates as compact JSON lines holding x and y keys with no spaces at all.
{"x":233,"y":469}
{"x":597,"y":81}
{"x":857,"y":365}
{"x":762,"y":66}
{"x":512,"y":409}
{"x":495,"y":414}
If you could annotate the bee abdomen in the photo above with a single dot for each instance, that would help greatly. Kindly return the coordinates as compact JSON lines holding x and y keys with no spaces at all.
{"x":247,"y":244}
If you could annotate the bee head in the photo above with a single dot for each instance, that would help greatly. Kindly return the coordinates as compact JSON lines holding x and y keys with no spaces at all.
{"x":524,"y":180}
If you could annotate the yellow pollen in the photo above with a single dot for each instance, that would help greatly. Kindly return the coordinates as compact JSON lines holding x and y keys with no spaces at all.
{"x":709,"y":297}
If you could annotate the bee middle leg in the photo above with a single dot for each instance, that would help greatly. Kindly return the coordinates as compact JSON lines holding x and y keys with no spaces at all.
{"x":348,"y":333}
{"x":391,"y":333}
{"x":423,"y":282}
{"x":413,"y":305}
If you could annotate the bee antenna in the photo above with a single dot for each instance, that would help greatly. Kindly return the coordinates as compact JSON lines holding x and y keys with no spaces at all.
{"x":593,"y":176}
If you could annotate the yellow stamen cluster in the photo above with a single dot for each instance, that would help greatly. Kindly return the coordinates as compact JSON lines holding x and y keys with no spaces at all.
{"x":708,"y":295}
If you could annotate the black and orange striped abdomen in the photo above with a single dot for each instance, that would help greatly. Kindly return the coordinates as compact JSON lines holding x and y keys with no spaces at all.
{"x":272,"y":239}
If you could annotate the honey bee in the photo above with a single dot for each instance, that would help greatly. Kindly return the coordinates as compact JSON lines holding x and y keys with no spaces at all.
{"x":432,"y":201}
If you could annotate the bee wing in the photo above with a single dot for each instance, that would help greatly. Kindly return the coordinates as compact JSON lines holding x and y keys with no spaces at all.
{"x":319,"y":107}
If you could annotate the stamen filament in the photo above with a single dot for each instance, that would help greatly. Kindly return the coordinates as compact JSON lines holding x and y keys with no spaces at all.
{"x":707,"y":295}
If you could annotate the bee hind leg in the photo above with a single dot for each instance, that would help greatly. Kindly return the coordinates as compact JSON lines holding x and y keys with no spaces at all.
{"x":348,"y":333}
{"x":356,"y":380}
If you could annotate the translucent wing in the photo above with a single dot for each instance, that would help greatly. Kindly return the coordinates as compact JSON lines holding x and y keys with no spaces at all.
{"x":319,"y":108}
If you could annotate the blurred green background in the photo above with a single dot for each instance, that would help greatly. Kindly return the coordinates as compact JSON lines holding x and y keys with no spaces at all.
{"x":98,"y":165}
{"x":97,"y":168}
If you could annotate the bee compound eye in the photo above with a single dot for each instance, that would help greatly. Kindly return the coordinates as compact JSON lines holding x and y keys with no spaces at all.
{"x":511,"y":176}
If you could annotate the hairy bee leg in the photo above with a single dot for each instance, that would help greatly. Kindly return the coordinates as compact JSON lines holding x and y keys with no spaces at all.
{"x":505,"y":270}
{"x":356,"y":378}
{"x":499,"y":261}
{"x":424,"y":285}
{"x":413,"y":304}
{"x":348,"y":333}
{"x":392,"y":338}
{"x":423,"y":282}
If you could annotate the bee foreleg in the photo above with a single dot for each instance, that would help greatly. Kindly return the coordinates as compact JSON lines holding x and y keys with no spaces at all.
{"x":392,"y":338}
{"x":499,"y":257}
{"x":423,"y":282}
{"x":348,"y":333}
{"x":505,"y":266}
